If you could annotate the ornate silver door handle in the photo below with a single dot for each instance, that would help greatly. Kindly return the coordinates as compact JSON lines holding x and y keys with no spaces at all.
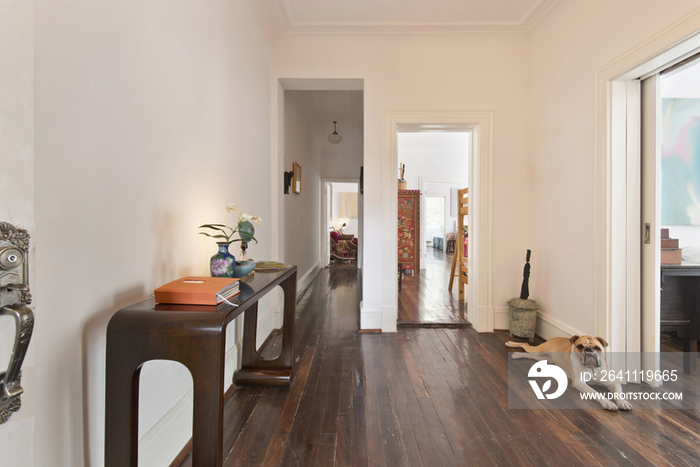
{"x":10,"y":388}
{"x":14,"y":298}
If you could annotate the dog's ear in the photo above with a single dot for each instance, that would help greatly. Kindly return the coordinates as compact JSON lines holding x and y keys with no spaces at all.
{"x":574,"y":339}
{"x":602,"y":342}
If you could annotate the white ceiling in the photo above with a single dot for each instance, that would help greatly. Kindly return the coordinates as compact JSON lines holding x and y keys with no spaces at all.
{"x":407,"y":15}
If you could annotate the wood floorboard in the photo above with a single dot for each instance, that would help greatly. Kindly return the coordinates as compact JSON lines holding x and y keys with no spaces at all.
{"x":424,"y":297}
{"x":425,"y":397}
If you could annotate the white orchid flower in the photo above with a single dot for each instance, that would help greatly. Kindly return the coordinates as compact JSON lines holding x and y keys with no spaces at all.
{"x":255,"y":220}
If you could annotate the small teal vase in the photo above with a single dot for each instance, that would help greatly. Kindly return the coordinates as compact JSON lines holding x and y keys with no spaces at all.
{"x":223,"y":263}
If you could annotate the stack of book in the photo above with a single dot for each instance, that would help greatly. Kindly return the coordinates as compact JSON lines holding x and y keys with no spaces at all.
{"x":670,"y":253}
{"x":196,"y":290}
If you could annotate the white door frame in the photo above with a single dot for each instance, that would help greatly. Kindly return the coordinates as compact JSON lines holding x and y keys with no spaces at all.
{"x":480,"y":294}
{"x":325,"y":244}
{"x":676,"y":42}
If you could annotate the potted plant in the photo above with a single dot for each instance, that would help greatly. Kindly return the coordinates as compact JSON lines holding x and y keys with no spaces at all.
{"x":223,"y":264}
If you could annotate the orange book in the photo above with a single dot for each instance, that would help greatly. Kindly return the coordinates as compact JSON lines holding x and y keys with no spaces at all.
{"x":195,"y":290}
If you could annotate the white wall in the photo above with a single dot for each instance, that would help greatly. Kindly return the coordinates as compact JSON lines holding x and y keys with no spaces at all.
{"x":304,"y":141}
{"x":151,"y":117}
{"x":571,"y":42}
{"x":337,"y":221}
{"x":434,"y":157}
{"x":17,"y":200}
{"x":432,"y":71}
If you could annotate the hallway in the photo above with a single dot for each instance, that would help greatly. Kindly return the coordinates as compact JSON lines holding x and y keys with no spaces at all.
{"x":424,"y":397}
{"x":424,"y":297}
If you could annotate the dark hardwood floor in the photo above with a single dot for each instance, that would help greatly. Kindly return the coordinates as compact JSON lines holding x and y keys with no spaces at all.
{"x":425,"y":397}
{"x":424,"y":297}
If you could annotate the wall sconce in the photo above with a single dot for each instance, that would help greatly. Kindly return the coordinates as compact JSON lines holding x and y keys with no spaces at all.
{"x":288,"y":181}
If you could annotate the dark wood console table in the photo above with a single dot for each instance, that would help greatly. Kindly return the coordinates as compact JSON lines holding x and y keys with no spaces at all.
{"x":680,"y":307}
{"x":194,"y":336}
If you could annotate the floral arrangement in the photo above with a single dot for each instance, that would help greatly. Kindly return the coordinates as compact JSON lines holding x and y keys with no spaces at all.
{"x":245,"y":228}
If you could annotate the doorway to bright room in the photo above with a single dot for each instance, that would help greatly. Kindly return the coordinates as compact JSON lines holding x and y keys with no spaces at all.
{"x":341,"y":225}
{"x":434,"y":163}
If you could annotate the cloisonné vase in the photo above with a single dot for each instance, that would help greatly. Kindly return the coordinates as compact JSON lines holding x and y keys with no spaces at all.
{"x":223,"y":263}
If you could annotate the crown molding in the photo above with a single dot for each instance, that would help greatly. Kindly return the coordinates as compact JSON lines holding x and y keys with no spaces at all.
{"x":287,"y":24}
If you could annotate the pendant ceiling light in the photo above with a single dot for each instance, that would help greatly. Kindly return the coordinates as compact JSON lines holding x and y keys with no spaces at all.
{"x":334,"y":137}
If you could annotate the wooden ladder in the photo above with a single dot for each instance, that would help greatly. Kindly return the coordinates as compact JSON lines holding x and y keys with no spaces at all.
{"x":459,"y":258}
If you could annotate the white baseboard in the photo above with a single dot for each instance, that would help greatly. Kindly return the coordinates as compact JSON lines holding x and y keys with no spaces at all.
{"x":370,"y":318}
{"x":548,"y":327}
{"x":389,"y":315}
{"x":277,"y":316}
{"x":266,"y":323}
{"x":308,"y":277}
{"x":159,"y":445}
{"x":486,"y":318}
{"x":501,"y":318}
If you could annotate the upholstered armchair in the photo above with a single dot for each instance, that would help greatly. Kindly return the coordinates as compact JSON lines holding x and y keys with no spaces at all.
{"x":343,"y":247}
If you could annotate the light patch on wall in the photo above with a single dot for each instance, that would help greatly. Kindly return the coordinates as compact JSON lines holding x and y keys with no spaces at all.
{"x":347,"y":205}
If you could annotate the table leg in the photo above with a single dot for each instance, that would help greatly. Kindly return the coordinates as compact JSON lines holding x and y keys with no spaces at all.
{"x":121,"y":411}
{"x":257,"y":371}
{"x":201,"y":350}
{"x":208,"y":402}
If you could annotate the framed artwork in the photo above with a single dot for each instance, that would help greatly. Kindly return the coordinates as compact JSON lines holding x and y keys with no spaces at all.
{"x":680,"y":161}
{"x":296,"y":180}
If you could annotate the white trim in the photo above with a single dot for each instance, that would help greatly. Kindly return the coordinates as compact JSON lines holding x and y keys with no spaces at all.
{"x":286,"y":22}
{"x":371,"y":318}
{"x":277,"y":319}
{"x":160,"y":444}
{"x":548,"y":327}
{"x":308,"y":278}
{"x":266,"y":323}
{"x":501,"y":317}
{"x":678,"y":39}
{"x":480,"y":295}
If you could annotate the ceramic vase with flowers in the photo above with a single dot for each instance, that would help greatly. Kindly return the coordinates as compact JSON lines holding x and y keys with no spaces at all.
{"x":223,"y":264}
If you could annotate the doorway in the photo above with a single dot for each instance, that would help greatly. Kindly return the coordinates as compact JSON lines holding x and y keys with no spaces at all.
{"x":625,"y":316}
{"x":670,"y":198}
{"x":342,"y":222}
{"x":480,"y":295}
{"x":434,"y":161}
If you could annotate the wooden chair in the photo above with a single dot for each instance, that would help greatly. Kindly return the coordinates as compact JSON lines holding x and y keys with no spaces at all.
{"x":459,"y":256}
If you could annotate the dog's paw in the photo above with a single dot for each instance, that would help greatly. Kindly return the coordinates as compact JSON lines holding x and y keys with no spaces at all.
{"x":516,"y":355}
{"x":513,"y":344}
{"x":607,"y":405}
{"x":623,"y":404}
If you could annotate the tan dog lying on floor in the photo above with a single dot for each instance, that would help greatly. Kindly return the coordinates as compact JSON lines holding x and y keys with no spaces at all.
{"x":577,"y":356}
